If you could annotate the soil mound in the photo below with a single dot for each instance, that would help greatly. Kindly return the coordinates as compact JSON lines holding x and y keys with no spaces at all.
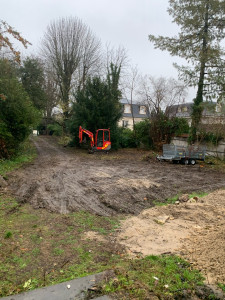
{"x":194,"y":230}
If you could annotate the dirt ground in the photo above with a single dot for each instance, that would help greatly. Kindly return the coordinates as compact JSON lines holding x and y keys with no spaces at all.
{"x":125,"y":182}
{"x":193,"y":230}
{"x":64,"y":180}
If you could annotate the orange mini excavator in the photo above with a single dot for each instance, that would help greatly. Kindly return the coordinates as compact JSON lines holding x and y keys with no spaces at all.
{"x":99,"y":142}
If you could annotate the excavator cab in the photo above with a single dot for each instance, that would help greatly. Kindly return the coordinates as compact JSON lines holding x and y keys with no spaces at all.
{"x":101,"y":141}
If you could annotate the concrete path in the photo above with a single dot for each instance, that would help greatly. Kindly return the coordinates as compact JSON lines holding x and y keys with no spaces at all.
{"x":70,"y":290}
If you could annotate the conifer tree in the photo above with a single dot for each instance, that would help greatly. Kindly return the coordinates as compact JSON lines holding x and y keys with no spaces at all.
{"x":97,"y":105}
{"x":202,"y":24}
{"x":32,"y":76}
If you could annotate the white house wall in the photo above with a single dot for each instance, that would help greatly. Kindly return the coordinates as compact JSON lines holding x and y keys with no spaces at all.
{"x":130,"y":122}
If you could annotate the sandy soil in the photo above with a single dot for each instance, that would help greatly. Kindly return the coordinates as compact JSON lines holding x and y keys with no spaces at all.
{"x":195,"y":231}
{"x":65,"y":180}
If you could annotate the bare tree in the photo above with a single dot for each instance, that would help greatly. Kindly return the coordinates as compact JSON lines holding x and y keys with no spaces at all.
{"x":90,"y":63}
{"x":158,"y":93}
{"x":118,"y":57}
{"x":67,"y":44}
{"x":52,"y":93}
{"x":131,"y":85}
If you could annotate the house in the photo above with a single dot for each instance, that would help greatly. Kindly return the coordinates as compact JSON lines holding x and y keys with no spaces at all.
{"x":212,"y":113}
{"x":137,"y":111}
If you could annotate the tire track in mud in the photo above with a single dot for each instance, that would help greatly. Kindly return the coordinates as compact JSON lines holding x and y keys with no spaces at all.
{"x":63,"y":180}
{"x":54,"y":182}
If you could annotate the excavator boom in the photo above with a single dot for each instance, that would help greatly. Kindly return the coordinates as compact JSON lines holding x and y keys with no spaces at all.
{"x":90,"y":134}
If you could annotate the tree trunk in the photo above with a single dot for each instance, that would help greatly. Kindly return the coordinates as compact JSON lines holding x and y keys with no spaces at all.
{"x":197,"y":107}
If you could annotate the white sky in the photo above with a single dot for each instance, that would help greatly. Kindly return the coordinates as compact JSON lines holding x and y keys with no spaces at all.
{"x":118,"y":22}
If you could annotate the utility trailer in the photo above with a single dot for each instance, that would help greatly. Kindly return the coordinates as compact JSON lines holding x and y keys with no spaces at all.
{"x":186,"y":155}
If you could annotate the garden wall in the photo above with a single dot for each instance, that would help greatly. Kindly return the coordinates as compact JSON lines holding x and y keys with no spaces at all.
{"x":212,"y":150}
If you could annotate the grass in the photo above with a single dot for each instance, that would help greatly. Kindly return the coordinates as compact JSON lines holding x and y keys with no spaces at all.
{"x":199,"y":195}
{"x":175,"y":198}
{"x":222,"y":286}
{"x":43,"y":248}
{"x":164,"y":276}
{"x":25,"y":155}
{"x":86,"y":221}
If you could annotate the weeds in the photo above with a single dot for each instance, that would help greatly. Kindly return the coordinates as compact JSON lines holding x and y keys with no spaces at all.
{"x":8,"y":235}
{"x":175,"y":198}
{"x":25,"y":155}
{"x":165,"y":276}
{"x":58,"y":251}
{"x":222,"y":286}
{"x":215,"y":163}
{"x":87,"y":222}
{"x":42,"y":248}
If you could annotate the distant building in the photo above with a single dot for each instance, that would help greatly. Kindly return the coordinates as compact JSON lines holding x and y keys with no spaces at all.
{"x":212,"y":113}
{"x":140,"y":112}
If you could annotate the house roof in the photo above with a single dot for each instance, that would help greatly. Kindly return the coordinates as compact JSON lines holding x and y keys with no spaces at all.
{"x":136,"y":109}
{"x":124,"y":101}
{"x":127,"y":101}
{"x":173,"y":110}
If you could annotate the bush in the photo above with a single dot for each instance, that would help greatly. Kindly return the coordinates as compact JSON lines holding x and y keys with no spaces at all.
{"x":152,"y":133}
{"x":127,"y":138}
{"x":17,"y":114}
{"x":142,"y":131}
{"x":163,"y":129}
{"x":210,"y":137}
{"x":55,"y":129}
{"x":178,"y":126}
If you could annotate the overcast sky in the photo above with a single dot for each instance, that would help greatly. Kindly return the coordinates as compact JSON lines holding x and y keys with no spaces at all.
{"x":118,"y":22}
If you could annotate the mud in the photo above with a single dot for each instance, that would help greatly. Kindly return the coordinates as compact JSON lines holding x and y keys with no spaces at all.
{"x":65,"y":180}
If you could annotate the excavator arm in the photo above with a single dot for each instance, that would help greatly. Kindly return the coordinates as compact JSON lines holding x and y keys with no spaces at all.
{"x":89,"y":133}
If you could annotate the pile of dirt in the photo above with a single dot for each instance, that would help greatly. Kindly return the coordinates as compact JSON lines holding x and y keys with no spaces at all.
{"x":205,"y":248}
{"x":193,"y":229}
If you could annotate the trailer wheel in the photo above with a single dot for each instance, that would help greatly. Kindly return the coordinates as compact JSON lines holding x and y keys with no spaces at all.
{"x":186,"y":162}
{"x":192,"y":161}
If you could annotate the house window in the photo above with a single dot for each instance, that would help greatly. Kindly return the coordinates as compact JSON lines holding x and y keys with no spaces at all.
{"x":179,"y":110}
{"x":127,"y":108}
{"x":125,"y":123}
{"x":142,"y":110}
{"x":184,"y":109}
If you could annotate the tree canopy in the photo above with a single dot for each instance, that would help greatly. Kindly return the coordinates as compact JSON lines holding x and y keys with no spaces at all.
{"x":7,"y":31}
{"x":69,"y":46}
{"x":97,"y":106}
{"x":32,"y":76}
{"x":202,"y":26}
{"x":17,"y":113}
